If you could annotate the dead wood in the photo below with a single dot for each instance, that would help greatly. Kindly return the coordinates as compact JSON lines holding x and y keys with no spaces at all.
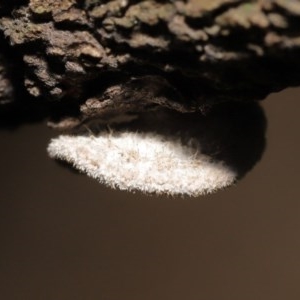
{"x":88,"y":59}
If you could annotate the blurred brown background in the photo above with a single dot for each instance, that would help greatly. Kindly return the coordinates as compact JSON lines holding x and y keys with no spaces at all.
{"x":64,"y":236}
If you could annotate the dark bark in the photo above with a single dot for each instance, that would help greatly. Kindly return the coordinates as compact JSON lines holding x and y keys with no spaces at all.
{"x":99,"y":59}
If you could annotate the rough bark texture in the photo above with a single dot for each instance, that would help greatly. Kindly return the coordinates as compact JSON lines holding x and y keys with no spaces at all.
{"x":99,"y":59}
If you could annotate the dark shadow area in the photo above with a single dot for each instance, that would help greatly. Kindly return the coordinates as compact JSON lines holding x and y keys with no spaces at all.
{"x":28,"y":110}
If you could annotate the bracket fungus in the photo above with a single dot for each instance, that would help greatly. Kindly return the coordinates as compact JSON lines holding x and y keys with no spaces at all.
{"x":166,"y":152}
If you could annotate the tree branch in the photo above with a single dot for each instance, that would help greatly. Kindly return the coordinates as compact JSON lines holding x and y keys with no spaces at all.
{"x":99,"y":59}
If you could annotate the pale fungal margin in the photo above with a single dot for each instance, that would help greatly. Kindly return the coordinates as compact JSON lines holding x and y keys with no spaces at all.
{"x":147,"y":162}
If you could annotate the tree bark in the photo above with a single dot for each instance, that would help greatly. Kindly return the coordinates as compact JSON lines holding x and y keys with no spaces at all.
{"x":85,"y":59}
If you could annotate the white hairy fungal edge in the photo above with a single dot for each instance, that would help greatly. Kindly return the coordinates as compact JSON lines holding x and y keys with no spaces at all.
{"x":147,"y":162}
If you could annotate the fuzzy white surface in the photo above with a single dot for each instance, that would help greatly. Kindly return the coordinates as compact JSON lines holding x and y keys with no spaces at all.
{"x":150,"y":163}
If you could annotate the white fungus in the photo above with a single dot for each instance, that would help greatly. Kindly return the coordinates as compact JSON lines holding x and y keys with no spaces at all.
{"x":147,"y":162}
